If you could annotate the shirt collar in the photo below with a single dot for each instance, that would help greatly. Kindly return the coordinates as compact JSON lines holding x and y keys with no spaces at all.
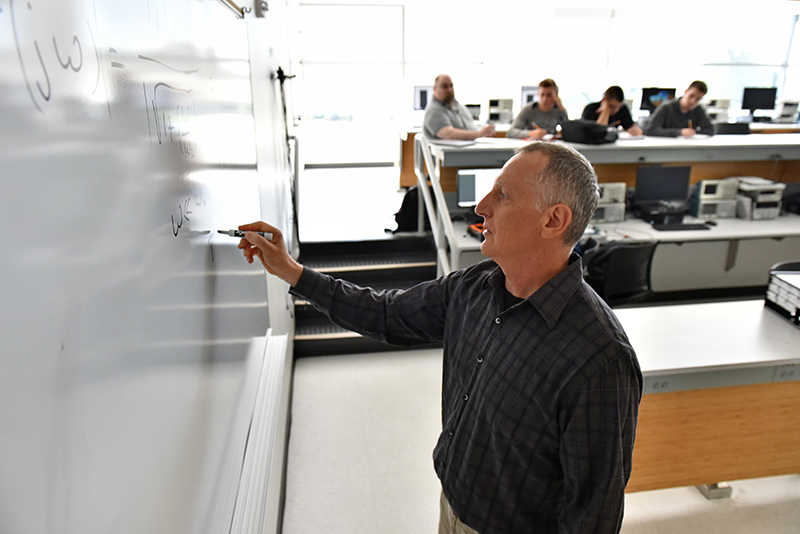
{"x":550,"y":299}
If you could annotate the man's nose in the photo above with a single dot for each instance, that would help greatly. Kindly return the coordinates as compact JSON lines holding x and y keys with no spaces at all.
{"x":481,"y":208}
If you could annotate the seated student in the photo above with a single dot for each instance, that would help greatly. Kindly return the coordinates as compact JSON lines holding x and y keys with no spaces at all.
{"x":611,"y":110}
{"x":446,"y":118}
{"x":682,"y":117}
{"x":540,"y":118}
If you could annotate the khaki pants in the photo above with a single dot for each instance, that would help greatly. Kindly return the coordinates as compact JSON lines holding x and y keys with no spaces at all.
{"x":448,"y":522}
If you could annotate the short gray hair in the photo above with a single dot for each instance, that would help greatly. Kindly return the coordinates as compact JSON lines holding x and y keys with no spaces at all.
{"x":568,"y":178}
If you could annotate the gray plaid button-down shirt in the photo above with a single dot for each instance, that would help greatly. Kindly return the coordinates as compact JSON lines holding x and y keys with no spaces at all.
{"x":539,"y":401}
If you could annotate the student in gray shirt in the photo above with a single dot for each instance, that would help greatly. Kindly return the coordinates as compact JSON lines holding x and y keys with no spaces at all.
{"x":683,"y":117}
{"x":446,"y":118}
{"x":540,"y":118}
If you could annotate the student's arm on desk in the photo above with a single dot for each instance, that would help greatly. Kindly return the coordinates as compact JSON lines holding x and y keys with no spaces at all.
{"x":536,"y":133}
{"x":635,"y":131}
{"x":704,"y":124}
{"x":448,"y":132}
{"x":525,"y":127}
{"x":519,"y":129}
{"x":657,"y":125}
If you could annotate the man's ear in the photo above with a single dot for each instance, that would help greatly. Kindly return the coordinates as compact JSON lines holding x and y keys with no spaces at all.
{"x":558,"y":219}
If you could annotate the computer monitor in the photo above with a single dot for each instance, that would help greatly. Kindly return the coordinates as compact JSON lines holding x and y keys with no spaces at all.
{"x":759,"y":98}
{"x":474,"y":110}
{"x":473,"y":185}
{"x":654,"y":184}
{"x":652,"y":97}
{"x":529,"y":94}
{"x":422,"y":94}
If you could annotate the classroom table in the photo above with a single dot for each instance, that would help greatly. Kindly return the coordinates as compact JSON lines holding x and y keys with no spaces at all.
{"x":775,"y":157}
{"x":735,"y":253}
{"x":721,"y":391}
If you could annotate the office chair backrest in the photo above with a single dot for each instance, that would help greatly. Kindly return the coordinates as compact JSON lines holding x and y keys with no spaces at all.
{"x":620,"y":271}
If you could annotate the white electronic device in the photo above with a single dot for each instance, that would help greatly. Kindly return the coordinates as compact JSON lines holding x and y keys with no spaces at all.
{"x":500,"y":110}
{"x":788,"y":112}
{"x":713,"y":208}
{"x":748,"y":208}
{"x":609,"y":213}
{"x":720,"y":103}
{"x":717,"y":190}
{"x":760,"y":189}
{"x":783,"y":295}
{"x":758,"y":198}
{"x":611,"y":193}
{"x":717,"y":109}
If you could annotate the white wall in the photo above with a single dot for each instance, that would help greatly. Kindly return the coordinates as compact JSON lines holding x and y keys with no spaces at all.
{"x":492,"y":49}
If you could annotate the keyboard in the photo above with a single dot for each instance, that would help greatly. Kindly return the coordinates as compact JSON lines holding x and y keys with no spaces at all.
{"x":681,"y":226}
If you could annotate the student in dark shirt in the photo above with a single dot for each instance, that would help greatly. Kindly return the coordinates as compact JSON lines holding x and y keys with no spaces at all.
{"x":612,"y":111}
{"x":683,"y":117}
{"x":540,"y":385}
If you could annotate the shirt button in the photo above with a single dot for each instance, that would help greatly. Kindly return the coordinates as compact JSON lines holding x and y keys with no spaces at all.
{"x":480,"y":359}
{"x":451,"y":432}
{"x":466,"y":397}
{"x":497,"y":320}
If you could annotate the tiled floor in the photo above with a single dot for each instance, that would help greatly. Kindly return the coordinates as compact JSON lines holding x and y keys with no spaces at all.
{"x":363,"y":427}
{"x":359,"y":461}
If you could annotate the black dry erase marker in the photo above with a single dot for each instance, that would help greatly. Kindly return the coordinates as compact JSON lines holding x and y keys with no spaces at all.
{"x":240,"y":233}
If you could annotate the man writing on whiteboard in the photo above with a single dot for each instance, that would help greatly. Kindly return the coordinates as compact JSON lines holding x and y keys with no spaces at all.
{"x":540,"y":386}
{"x":447,"y":118}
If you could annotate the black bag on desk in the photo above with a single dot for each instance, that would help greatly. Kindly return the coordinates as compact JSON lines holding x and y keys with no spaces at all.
{"x":588,"y":132}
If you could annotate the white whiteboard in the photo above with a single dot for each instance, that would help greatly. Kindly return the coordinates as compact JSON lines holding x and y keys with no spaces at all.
{"x":127,"y":138}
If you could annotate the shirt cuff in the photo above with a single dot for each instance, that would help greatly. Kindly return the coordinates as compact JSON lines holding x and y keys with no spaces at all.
{"x":306,"y":284}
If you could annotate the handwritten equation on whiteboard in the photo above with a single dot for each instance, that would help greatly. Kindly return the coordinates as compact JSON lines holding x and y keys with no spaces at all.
{"x":170,"y":109}
{"x":140,"y":75}
{"x":63,"y":62}
{"x":185,"y":210}
{"x":56,"y":61}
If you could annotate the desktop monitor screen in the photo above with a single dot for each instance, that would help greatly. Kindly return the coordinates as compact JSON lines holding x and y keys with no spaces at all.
{"x":422,"y":94}
{"x":759,"y":98}
{"x":529,"y":94}
{"x":662,"y":183}
{"x":473,"y":185}
{"x":652,"y":97}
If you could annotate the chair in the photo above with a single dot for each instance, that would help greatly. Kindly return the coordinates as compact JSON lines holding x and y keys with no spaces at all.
{"x":620,"y":272}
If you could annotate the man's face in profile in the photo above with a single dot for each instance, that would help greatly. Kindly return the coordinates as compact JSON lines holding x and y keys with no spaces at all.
{"x":443,"y":90}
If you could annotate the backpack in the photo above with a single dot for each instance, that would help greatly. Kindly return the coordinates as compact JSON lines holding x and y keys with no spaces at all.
{"x":588,"y":132}
{"x":406,"y":218}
